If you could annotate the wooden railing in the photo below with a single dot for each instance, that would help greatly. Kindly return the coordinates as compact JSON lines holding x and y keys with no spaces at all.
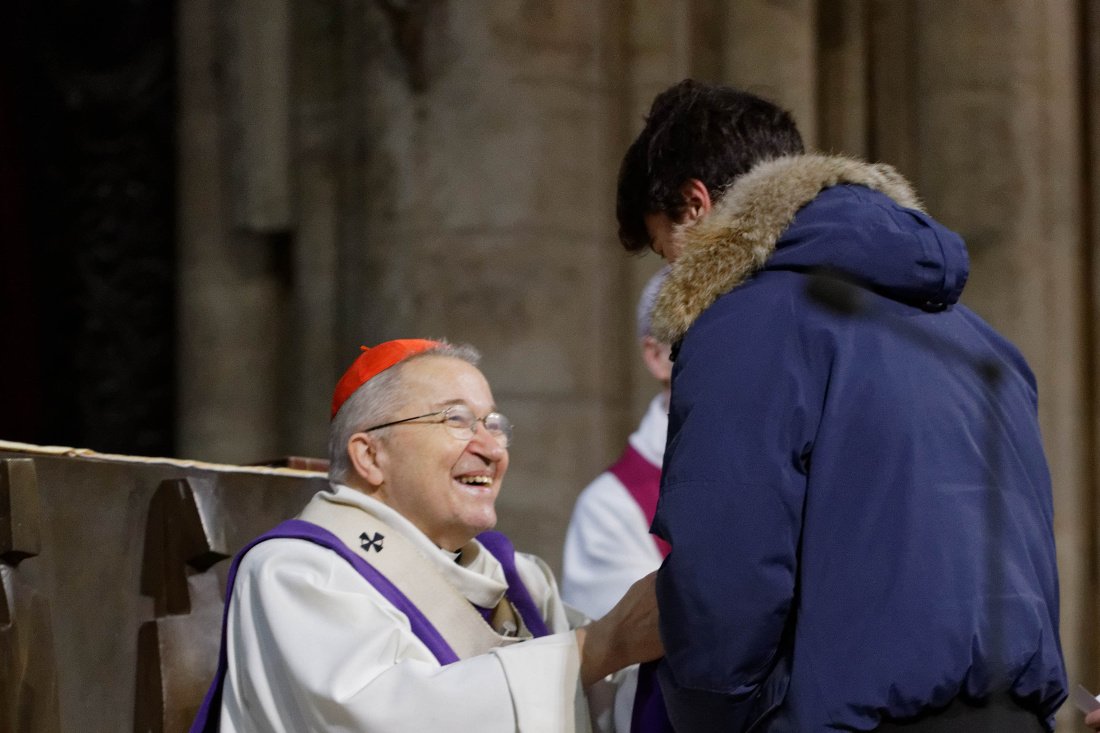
{"x":113,"y":573}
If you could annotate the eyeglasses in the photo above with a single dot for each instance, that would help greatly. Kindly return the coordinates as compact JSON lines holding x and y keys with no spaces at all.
{"x":461,"y":422}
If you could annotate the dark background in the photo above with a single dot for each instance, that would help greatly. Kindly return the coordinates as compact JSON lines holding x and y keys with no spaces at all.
{"x":87,"y":169}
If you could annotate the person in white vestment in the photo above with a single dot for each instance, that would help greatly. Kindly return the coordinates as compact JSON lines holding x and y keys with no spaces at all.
{"x":608,"y":545}
{"x":418,"y":453}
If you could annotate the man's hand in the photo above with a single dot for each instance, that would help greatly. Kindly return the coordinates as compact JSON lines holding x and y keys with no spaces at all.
{"x":1092,"y":720}
{"x":627,"y":635}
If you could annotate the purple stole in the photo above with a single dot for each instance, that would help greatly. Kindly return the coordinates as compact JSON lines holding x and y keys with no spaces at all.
{"x":649,"y":715}
{"x":643,"y":480}
{"x":209,"y":716}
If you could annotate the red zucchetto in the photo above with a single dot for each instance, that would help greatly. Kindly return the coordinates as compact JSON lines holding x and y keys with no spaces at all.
{"x":374,"y":361}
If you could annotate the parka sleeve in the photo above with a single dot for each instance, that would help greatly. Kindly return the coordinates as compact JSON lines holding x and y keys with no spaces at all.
{"x":746,"y":401}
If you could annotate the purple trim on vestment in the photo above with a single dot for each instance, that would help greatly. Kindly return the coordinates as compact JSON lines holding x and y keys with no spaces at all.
{"x":502,"y":549}
{"x":643,"y":480}
{"x":208,"y":718}
{"x":649,"y":714}
{"x":497,"y":544}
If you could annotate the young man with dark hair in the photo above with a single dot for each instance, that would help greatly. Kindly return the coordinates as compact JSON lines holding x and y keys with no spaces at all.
{"x":858,"y":504}
{"x":694,"y":131}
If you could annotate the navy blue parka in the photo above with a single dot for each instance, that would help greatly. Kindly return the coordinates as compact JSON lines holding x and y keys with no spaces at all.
{"x":858,"y":503}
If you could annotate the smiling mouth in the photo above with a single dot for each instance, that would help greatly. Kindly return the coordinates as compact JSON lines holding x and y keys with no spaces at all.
{"x":480,"y":481}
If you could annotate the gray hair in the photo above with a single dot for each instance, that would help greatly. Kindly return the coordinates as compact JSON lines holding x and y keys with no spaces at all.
{"x":377,"y":401}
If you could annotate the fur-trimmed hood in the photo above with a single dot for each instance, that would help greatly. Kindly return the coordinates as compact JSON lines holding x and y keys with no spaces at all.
{"x":763,"y":222}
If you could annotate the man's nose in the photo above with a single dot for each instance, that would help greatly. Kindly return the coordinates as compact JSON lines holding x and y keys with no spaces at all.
{"x":485,"y":444}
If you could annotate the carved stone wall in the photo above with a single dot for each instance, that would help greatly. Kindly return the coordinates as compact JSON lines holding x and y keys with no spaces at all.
{"x":443,"y":168}
{"x":347,"y":171}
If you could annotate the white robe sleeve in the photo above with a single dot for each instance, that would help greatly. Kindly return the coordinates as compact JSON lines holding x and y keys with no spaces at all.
{"x":607,"y":547}
{"x":313,"y":647}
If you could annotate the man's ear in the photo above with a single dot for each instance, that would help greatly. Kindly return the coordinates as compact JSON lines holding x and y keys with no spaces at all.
{"x":363,"y":453}
{"x":697,"y":203}
{"x":656,"y":358}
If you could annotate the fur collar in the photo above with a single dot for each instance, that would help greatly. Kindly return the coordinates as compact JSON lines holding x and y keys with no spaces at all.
{"x":724,"y":248}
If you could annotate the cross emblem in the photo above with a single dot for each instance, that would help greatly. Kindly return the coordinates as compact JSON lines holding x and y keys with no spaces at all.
{"x":367,"y":542}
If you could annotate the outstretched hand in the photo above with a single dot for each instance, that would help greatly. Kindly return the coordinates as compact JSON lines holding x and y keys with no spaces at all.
{"x":628,"y":634}
{"x":1092,"y":720}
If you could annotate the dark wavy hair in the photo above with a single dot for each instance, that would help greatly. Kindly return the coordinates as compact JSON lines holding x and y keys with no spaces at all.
{"x":708,"y":132}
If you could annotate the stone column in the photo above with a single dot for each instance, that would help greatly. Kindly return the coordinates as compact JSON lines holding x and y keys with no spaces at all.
{"x":488,"y":218}
{"x":771,"y":50}
{"x":323,"y":146}
{"x":229,"y":294}
{"x":1089,"y":34}
{"x":842,"y":91}
{"x":893,"y":102}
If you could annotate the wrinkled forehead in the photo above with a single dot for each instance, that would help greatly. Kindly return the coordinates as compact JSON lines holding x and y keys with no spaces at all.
{"x":436,"y":381}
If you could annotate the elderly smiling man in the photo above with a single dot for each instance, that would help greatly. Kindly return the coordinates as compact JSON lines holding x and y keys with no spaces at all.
{"x":387,"y":605}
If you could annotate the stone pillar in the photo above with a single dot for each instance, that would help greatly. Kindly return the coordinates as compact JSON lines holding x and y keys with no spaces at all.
{"x":488,"y":218}
{"x":771,"y":50}
{"x":229,"y":294}
{"x":893,"y":102}
{"x":260,"y":102}
{"x":842,"y":91}
{"x":1089,"y":34}
{"x":997,"y":126}
{"x":324,"y":151}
